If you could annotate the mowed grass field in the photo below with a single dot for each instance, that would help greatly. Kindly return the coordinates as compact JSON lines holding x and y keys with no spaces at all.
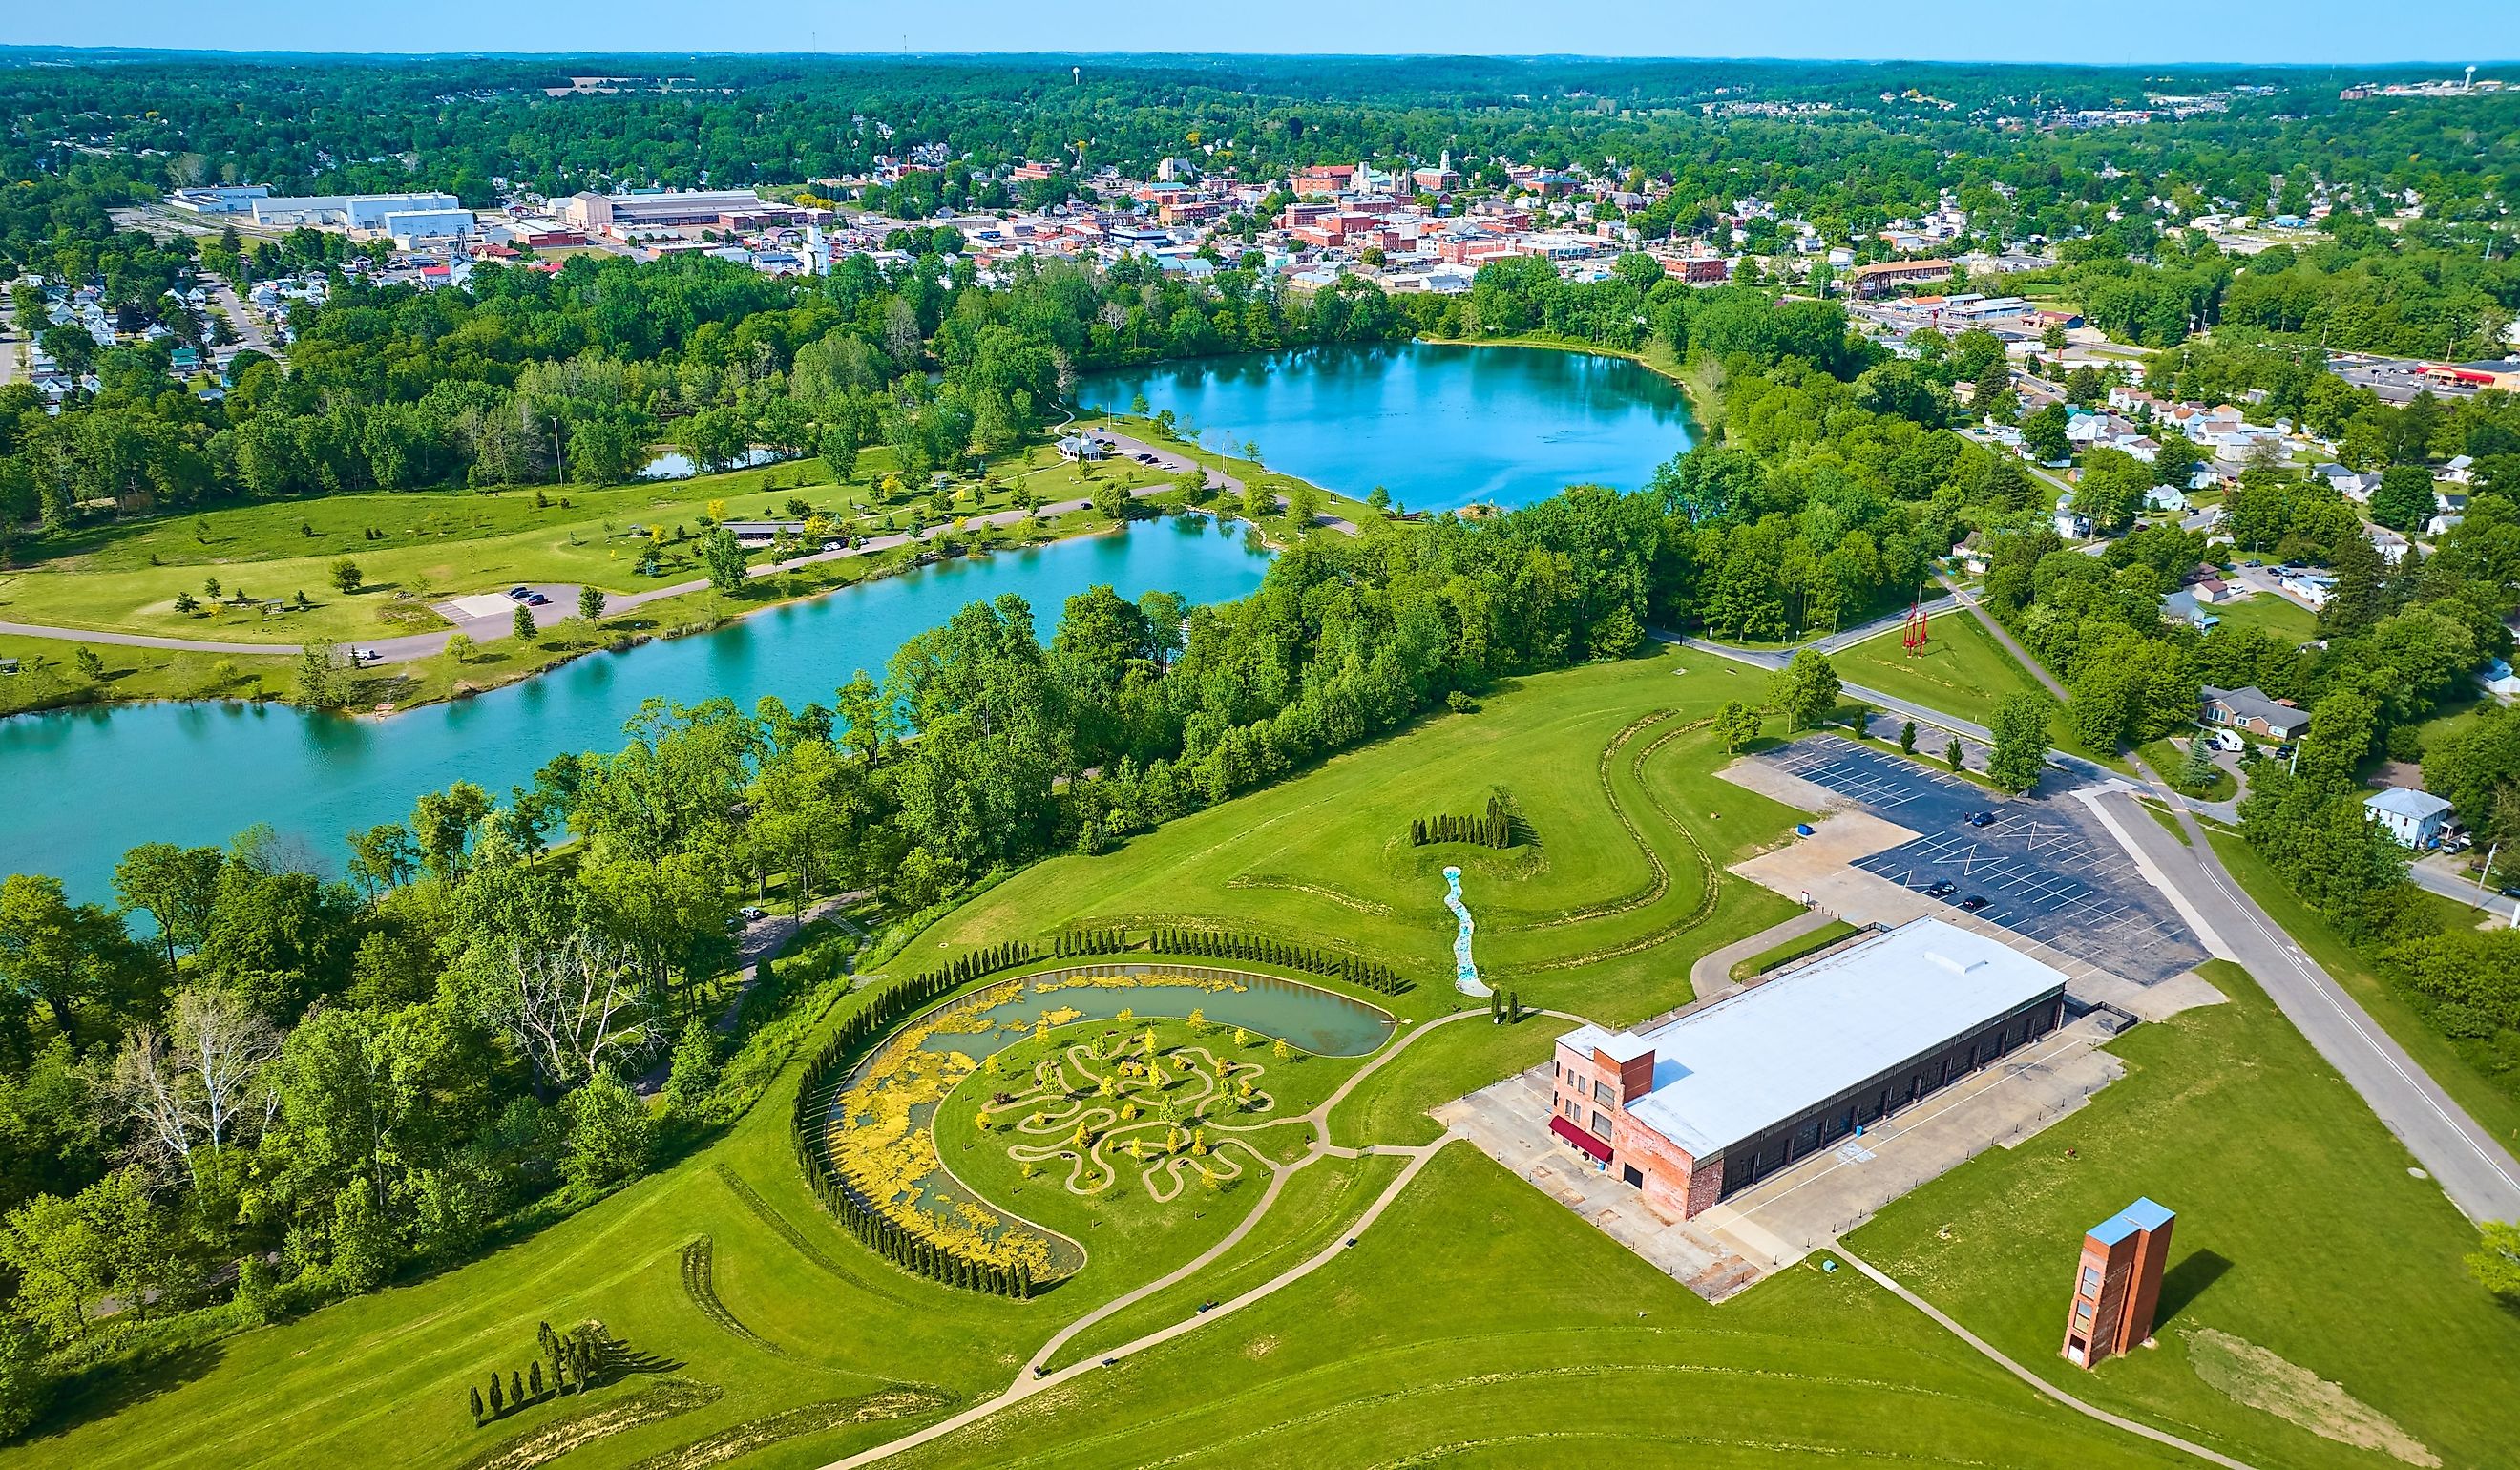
{"x":1477,"y":1321}
{"x":2301,"y":1230}
{"x":414,"y":547}
{"x":1962,"y":671}
{"x":1581,"y":917}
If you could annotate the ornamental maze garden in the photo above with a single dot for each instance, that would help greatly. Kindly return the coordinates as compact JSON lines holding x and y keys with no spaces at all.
{"x":986,"y":1167}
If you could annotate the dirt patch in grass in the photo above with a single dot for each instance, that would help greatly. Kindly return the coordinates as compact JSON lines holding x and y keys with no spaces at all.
{"x":671,"y":1397}
{"x":2255,"y":1376}
{"x":811,"y":1418}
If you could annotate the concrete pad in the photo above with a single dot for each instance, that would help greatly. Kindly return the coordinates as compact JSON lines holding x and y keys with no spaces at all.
{"x":480,"y":605}
{"x":1789,"y":1215}
{"x":1784,"y":786}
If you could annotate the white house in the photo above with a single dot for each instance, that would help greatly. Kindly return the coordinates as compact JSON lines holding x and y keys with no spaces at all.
{"x":1079,"y":447}
{"x":2414,"y":817}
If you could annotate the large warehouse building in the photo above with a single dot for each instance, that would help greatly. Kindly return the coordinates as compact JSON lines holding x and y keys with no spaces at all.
{"x":1715,"y":1101}
{"x":678,"y":208}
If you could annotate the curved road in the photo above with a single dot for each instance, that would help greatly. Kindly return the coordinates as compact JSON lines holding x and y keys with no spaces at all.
{"x":2476,"y":1169}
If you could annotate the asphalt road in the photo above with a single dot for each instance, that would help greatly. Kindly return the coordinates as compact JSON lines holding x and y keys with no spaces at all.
{"x":2478,"y":1175}
{"x":2465,"y":890}
{"x":2475,"y":1170}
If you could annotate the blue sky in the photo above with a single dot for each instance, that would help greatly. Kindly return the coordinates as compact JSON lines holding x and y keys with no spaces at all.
{"x":2349,"y":33}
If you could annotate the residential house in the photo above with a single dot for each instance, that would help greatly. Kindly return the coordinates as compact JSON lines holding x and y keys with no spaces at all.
{"x":2414,"y":817}
{"x":2248,"y":709}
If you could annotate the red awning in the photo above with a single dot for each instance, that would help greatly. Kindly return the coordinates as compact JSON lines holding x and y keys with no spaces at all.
{"x":1580,"y":1139}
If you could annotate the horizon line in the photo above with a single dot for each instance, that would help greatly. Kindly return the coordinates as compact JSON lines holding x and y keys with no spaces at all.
{"x":10,"y":49}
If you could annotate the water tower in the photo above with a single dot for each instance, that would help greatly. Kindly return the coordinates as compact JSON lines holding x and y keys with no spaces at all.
{"x":2469,"y":85}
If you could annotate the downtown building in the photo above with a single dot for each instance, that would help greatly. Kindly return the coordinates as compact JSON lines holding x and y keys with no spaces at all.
{"x":1712,"y":1101}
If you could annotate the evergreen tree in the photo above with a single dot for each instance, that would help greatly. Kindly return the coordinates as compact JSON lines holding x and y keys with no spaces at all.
{"x":476,"y":1392}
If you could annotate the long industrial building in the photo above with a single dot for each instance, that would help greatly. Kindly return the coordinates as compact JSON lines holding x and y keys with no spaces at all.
{"x":347,"y":211}
{"x":1709,"y":1103}
{"x":676,"y":210}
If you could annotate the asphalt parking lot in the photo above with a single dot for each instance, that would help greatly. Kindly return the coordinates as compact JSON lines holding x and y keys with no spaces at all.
{"x":2046,"y":869}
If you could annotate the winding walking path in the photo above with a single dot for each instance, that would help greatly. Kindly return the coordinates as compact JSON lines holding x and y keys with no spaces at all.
{"x":1712,"y":974}
{"x":1032,"y":1378}
{"x":1890,"y":1284}
{"x":404,"y":648}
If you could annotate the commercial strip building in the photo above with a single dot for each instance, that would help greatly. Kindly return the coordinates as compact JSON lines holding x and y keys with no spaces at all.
{"x":347,"y":211}
{"x":677,"y":209}
{"x":1719,"y":1098}
{"x":2117,"y":1285}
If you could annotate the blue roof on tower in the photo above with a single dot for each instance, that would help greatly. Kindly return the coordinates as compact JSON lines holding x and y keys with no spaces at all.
{"x":2142,"y":1214}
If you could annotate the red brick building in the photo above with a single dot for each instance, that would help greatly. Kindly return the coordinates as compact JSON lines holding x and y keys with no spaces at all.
{"x":2117,"y":1284}
{"x":1723,"y":1096}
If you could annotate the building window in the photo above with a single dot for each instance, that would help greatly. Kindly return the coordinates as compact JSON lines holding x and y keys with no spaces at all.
{"x":2091,"y":1279}
{"x":1601,"y":1123}
{"x":1601,"y":1093}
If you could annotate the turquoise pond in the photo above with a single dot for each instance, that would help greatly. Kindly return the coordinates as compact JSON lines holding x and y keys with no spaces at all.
{"x":1439,"y":425}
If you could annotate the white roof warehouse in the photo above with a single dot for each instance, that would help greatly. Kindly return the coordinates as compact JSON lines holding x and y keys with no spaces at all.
{"x":1741,"y":1087}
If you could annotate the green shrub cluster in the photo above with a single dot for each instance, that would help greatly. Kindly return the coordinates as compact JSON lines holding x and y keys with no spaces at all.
{"x":580,"y":1358}
{"x":1494,"y":829}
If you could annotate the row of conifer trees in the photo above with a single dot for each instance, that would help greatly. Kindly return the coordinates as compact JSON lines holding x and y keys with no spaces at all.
{"x":889,"y":1006}
{"x":1494,"y":829}
{"x":578,"y":1358}
{"x":1228,"y":944}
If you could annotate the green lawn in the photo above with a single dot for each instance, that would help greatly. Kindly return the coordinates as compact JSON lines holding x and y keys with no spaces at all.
{"x":2280,"y":1177}
{"x":49,"y":676}
{"x":2465,"y":1071}
{"x":2285,"y":619}
{"x":1792,"y":949}
{"x":1481,"y":1323}
{"x":1962,"y":671}
{"x":2169,"y":756}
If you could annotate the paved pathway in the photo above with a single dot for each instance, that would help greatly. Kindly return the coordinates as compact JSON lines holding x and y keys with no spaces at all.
{"x":563,"y":597}
{"x":2118,"y":1421}
{"x":1031,"y":1379}
{"x":1712,"y":974}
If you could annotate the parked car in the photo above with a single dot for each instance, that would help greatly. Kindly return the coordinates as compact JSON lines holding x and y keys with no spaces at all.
{"x":1980,"y":818}
{"x":1973,"y":903}
{"x":536,"y":600}
{"x":753,"y":913}
{"x":521,"y":593}
{"x":1942,"y":889}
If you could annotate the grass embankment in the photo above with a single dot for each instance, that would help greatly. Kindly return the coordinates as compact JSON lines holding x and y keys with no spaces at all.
{"x":2280,"y":1177}
{"x":1962,"y":671}
{"x":1479,"y":1320}
{"x":1584,"y":914}
{"x":1793,"y":950}
{"x":2480,"y":1079}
